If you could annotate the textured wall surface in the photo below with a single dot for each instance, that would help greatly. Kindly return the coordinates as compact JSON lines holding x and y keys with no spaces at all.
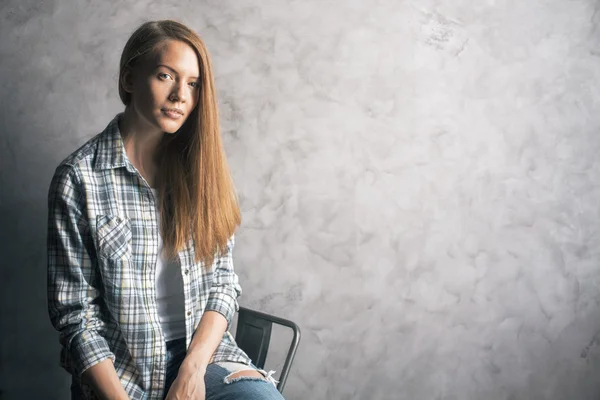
{"x":419,"y":183}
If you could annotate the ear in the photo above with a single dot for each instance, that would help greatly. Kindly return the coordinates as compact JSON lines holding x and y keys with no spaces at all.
{"x":127,"y":80}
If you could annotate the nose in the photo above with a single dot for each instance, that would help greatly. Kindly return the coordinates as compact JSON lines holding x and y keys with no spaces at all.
{"x":178,"y":93}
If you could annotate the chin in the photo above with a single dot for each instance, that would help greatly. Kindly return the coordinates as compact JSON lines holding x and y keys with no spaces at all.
{"x":170,"y":126}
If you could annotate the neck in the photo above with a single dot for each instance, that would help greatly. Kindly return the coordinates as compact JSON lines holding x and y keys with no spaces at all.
{"x":141,"y":141}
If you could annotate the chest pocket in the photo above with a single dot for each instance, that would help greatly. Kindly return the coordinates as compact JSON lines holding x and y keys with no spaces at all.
{"x":113,"y":237}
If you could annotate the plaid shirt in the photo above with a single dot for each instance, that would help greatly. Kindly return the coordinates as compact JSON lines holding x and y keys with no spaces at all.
{"x":103,"y":233}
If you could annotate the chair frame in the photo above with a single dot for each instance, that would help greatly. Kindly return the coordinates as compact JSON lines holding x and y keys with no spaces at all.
{"x":257,"y":321}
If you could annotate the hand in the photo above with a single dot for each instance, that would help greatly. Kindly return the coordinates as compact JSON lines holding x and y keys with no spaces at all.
{"x":188,"y":385}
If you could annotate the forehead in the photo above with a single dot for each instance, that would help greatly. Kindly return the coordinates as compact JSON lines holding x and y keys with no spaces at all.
{"x":177,"y":55}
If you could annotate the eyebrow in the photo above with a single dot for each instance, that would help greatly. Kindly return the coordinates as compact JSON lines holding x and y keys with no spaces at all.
{"x":174,"y":70}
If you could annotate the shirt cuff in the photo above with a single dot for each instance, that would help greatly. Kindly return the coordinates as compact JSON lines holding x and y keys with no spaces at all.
{"x":223,"y":302}
{"x":88,"y":349}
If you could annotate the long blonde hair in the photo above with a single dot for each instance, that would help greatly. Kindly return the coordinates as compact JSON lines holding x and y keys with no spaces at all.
{"x":197,"y":199}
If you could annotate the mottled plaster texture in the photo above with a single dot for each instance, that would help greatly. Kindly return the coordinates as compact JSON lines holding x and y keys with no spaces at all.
{"x":419,"y":182}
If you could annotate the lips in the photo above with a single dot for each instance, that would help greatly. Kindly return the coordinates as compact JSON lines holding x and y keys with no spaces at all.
{"x":174,"y":113}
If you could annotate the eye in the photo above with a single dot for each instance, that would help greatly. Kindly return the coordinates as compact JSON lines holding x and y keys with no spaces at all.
{"x":195,"y":85}
{"x":162,"y":75}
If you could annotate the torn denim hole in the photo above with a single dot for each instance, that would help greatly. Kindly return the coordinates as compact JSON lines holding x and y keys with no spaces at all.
{"x":267,"y":376}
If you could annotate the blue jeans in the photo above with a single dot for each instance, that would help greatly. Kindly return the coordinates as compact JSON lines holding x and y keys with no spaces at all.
{"x":217,"y":386}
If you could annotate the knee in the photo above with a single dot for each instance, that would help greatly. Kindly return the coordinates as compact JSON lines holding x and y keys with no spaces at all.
{"x":251,"y":384}
{"x":241,"y":375}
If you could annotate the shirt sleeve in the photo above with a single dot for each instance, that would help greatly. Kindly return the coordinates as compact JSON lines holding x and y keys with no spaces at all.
{"x":225,"y":288}
{"x":73,"y":304}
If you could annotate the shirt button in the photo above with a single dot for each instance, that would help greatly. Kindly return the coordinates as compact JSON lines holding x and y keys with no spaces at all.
{"x":189,"y":313}
{"x":187,"y":271}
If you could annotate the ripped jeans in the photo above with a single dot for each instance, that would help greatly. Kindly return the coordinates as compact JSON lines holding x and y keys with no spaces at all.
{"x":218,"y":386}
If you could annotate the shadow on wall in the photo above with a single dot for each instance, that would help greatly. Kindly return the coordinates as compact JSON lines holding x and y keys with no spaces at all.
{"x":29,"y":343}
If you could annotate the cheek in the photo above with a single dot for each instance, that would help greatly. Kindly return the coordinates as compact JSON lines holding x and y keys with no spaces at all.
{"x":145,"y":103}
{"x":194,"y":102}
{"x":158,"y":90}
{"x":146,"y":94}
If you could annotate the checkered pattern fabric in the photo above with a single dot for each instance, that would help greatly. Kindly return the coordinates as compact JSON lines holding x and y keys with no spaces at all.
{"x":102,"y":250}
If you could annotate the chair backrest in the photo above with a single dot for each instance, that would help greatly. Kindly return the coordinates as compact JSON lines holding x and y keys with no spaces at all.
{"x":253,"y":335}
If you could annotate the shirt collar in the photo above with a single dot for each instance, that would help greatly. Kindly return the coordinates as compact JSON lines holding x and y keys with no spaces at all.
{"x":111,"y":151}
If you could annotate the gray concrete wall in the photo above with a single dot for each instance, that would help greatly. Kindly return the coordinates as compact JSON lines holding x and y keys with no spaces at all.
{"x":418,"y":179}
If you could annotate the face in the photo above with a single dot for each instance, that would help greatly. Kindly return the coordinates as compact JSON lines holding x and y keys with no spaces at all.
{"x":165,"y":86}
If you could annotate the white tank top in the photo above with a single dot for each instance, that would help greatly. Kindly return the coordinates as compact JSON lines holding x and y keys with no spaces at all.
{"x":169,"y":294}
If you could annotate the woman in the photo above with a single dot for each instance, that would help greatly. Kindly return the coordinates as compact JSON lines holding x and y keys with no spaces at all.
{"x":141,"y":283}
